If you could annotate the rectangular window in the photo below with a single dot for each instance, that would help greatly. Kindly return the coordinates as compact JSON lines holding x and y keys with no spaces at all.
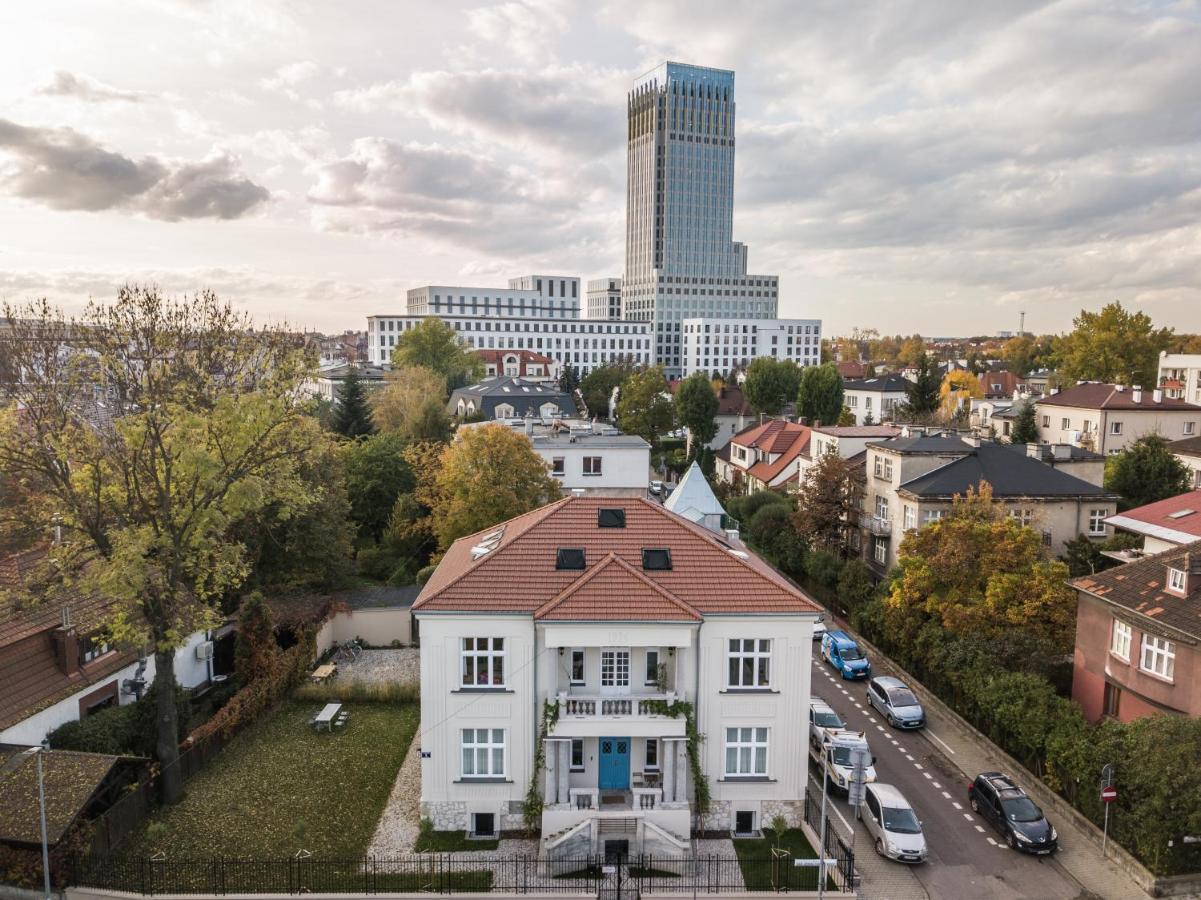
{"x":652,"y":667}
{"x":558,"y":466}
{"x":1046,"y":421}
{"x":881,"y":550}
{"x":749,"y":663}
{"x":888,"y":469}
{"x":1176,"y":580}
{"x":1190,"y":428}
{"x":746,"y":751}
{"x":1115,"y":427}
{"x":932,"y":515}
{"x":577,"y":666}
{"x":1112,"y":700}
{"x":577,"y":754}
{"x":483,"y":662}
{"x":652,"y":754}
{"x":483,"y":752}
{"x":1119,"y":641}
{"x":615,"y":668}
{"x":910,"y":517}
{"x":592,"y":465}
{"x":1023,"y":516}
{"x":92,"y":647}
{"x":1096,"y":521}
{"x":1065,"y":424}
{"x":1159,"y":656}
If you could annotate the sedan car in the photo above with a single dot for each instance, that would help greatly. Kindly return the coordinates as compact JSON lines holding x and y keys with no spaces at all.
{"x":892,"y":699}
{"x":819,"y":628}
{"x":890,"y":819}
{"x":1000,"y":802}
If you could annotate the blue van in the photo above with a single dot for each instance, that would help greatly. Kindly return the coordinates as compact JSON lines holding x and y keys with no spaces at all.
{"x":840,"y":650}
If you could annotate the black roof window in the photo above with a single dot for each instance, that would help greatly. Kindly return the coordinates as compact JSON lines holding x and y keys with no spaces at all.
{"x":656,"y":559}
{"x":611,"y":517}
{"x":569,"y":558}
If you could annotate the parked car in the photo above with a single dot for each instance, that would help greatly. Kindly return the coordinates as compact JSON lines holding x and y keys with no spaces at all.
{"x":819,"y":628}
{"x":892,"y":822}
{"x":657,"y":488}
{"x":823,"y":720}
{"x":1005,"y":806}
{"x":835,"y":758}
{"x":840,"y":650}
{"x":892,"y":699}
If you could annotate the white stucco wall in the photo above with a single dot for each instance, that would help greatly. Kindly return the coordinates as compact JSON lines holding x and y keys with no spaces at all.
{"x":622,"y":468}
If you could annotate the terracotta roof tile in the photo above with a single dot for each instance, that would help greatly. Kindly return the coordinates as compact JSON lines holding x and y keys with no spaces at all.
{"x":1139,"y":586}
{"x":613,"y":590}
{"x":1177,"y":519}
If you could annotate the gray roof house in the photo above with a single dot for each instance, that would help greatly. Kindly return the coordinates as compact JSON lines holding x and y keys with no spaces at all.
{"x":507,"y":398}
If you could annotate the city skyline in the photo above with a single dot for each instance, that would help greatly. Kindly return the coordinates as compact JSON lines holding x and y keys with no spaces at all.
{"x":910,"y":169}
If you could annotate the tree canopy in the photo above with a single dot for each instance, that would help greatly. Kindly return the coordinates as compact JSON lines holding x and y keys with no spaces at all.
{"x":597,"y":386}
{"x":436,"y":346}
{"x":352,"y":414}
{"x":696,"y":410}
{"x":644,"y":406}
{"x":1025,"y":424}
{"x":923,"y":392}
{"x":957,"y":391}
{"x":1113,"y":345}
{"x":376,"y":475}
{"x":412,"y":404}
{"x":770,"y":383}
{"x":1145,"y":472}
{"x":826,"y":502}
{"x":819,"y":398}
{"x":204,"y":434}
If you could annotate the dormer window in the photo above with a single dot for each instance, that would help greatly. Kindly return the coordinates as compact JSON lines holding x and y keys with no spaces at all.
{"x":1177,"y":581}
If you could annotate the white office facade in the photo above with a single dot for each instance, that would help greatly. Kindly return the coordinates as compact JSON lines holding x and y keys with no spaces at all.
{"x":719,"y":345}
{"x":604,"y":298}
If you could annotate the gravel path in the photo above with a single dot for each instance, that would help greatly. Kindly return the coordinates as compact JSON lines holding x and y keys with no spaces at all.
{"x":399,"y":665}
{"x":397,"y":828}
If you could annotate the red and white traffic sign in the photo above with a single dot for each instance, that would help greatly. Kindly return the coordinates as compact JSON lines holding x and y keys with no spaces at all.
{"x":1109,"y":793}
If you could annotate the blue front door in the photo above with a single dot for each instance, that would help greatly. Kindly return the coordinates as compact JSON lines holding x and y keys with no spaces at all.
{"x":614,"y":764}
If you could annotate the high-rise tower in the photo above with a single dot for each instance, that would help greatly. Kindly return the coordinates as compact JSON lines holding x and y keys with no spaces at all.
{"x":681,"y":257}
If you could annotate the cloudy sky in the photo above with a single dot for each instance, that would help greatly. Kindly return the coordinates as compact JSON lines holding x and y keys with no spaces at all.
{"x":907,"y":165}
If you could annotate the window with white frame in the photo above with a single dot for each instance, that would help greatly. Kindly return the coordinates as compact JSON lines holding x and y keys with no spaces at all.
{"x":1096,"y":521}
{"x":749,"y":663}
{"x":932,"y":515}
{"x":483,"y":662}
{"x":483,"y":752}
{"x":615,"y":668}
{"x":1119,"y":641}
{"x":1190,"y":428}
{"x":1177,"y":580}
{"x":879,"y":466}
{"x":652,"y":754}
{"x":1159,"y":656}
{"x":577,"y":666}
{"x":558,"y":465}
{"x":1115,"y":427}
{"x":910,"y":517}
{"x":888,"y":468}
{"x":1023,"y":516}
{"x":746,"y":751}
{"x":880,"y":552}
{"x":1065,"y":424}
{"x":652,"y":667}
{"x":1046,"y":421}
{"x":577,"y":754}
{"x":881,"y":507}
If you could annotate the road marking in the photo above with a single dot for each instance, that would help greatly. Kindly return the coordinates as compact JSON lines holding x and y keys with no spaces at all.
{"x":871,"y":717}
{"x":908,"y":757}
{"x":927,"y":774}
{"x":956,"y":805}
{"x":968,"y":816}
{"x":887,"y":735}
{"x":844,"y":690}
{"x":896,"y":743}
{"x":944,"y":793}
{"x":939,"y":786}
{"x":980,"y":829}
{"x":994,"y":843}
{"x":881,"y":727}
{"x":930,"y":734}
{"x":917,"y":766}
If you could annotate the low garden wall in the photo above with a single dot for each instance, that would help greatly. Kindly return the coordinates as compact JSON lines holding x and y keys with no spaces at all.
{"x":377,"y":627}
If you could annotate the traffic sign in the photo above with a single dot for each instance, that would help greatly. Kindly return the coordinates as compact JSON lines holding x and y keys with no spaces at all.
{"x":1109,"y":793}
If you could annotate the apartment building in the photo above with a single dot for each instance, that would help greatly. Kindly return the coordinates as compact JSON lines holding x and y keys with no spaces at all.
{"x":1180,"y":376}
{"x":873,"y":400}
{"x":1108,"y":418}
{"x":912,"y":481}
{"x":604,"y":298}
{"x":1188,"y":451}
{"x":763,"y":456}
{"x":576,"y":636}
{"x":717,"y":346}
{"x":1138,"y":634}
{"x":525,"y":364}
{"x":843,"y":440}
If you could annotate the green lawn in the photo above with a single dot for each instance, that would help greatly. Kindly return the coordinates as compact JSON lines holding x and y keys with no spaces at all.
{"x":449,"y":841}
{"x":279,"y":788}
{"x":762,"y":871}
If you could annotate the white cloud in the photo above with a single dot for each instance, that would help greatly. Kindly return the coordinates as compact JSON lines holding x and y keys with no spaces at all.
{"x":80,"y":87}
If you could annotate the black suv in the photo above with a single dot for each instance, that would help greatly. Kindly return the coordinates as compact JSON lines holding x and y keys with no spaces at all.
{"x":1005,"y":806}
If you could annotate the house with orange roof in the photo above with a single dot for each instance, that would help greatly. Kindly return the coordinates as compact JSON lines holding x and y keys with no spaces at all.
{"x":571,"y":647}
{"x":763,"y":456}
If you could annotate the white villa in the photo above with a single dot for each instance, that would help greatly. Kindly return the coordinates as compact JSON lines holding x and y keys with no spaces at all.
{"x":572,"y":648}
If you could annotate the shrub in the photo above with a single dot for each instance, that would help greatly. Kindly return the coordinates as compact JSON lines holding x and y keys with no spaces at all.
{"x":424,"y":573}
{"x":359,"y":692}
{"x":377,"y":562}
{"x":824,"y":568}
{"x":120,"y":730}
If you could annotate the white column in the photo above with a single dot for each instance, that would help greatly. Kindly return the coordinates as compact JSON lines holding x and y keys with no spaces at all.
{"x":681,"y":771}
{"x":669,"y":771}
{"x":551,"y":751}
{"x":564,"y":771}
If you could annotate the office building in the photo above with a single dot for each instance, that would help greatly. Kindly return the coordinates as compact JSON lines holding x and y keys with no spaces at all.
{"x":721,"y":345}
{"x":604,"y":298}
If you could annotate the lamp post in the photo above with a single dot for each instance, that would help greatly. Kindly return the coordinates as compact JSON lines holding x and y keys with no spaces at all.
{"x":42,"y":812}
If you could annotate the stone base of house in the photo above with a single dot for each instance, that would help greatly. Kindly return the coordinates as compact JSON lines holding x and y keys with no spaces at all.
{"x":447,"y":815}
{"x":721,"y":815}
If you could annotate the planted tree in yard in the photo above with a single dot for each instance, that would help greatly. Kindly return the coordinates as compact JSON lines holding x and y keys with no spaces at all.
{"x":819,"y":398}
{"x":827,"y":501}
{"x":770,"y":383}
{"x":376,"y":475}
{"x":1145,"y":472}
{"x":644,"y":407}
{"x":569,"y":378}
{"x":412,"y":404}
{"x":957,"y":391}
{"x":150,"y":431}
{"x":1025,"y":426}
{"x":696,"y":410}
{"x":436,"y":346}
{"x":351,"y":413}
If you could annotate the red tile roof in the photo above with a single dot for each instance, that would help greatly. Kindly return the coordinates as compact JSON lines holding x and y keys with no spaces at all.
{"x":1180,"y":514}
{"x":519,"y":576}
{"x":1139,"y":586}
{"x":1099,"y":395}
{"x":850,"y":369}
{"x":21,"y":616}
{"x":1000,"y":384}
{"x":788,"y":439}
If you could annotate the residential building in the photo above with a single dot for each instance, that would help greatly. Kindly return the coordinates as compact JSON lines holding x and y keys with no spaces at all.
{"x":570,"y":342}
{"x":327,"y":381}
{"x":712,"y":345}
{"x":733,"y":414}
{"x":694,"y":499}
{"x":1165,"y":524}
{"x":1108,"y":418}
{"x":1138,"y":638}
{"x":681,"y":260}
{"x":1041,"y":382}
{"x":586,"y":457}
{"x":604,"y":298}
{"x":913,"y":480}
{"x":843,"y":440}
{"x":1188,"y":451}
{"x":851,"y":370}
{"x":525,"y":364}
{"x":56,"y":665}
{"x":503,"y":397}
{"x":1002,"y":385}
{"x":564,"y":637}
{"x":1077,"y":461}
{"x":874,"y":400}
{"x":763,"y":456}
{"x":1180,"y":376}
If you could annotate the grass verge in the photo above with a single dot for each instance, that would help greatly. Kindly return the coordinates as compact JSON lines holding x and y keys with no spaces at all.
{"x":430,"y":841}
{"x":762,"y":871}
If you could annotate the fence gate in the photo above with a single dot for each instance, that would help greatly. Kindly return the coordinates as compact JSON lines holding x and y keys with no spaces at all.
{"x":615,"y":882}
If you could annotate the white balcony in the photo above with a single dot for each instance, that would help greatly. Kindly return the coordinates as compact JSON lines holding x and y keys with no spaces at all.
{"x":585,"y":715}
{"x":880,"y":525}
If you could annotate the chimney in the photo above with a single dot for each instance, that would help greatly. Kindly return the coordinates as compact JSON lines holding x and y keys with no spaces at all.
{"x":732,"y":535}
{"x":1136,"y":393}
{"x":1120,"y":388}
{"x":1192,"y":564}
{"x":66,"y":650}
{"x":1061,"y":451}
{"x":1157,"y":395}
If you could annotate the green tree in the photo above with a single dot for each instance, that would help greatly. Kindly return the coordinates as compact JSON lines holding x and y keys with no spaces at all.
{"x":436,"y":346}
{"x":1146,"y":471}
{"x":856,"y":587}
{"x":819,"y":398}
{"x":1025,"y":425}
{"x":597,"y":386}
{"x":489,"y":474}
{"x":209,"y":431}
{"x":1112,"y":345}
{"x":696,"y":410}
{"x":412,"y":404}
{"x":256,"y":653}
{"x":352,"y":414}
{"x":569,"y":379}
{"x":923,"y":392}
{"x":1019,"y":354}
{"x":376,"y":475}
{"x":644,"y":406}
{"x":770,"y":383}
{"x":827,"y":501}
{"x":1083,"y":557}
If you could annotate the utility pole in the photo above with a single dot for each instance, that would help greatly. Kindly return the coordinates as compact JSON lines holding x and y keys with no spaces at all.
{"x":1022,"y":324}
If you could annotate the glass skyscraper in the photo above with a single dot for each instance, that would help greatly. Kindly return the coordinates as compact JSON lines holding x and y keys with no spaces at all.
{"x":681,"y":257}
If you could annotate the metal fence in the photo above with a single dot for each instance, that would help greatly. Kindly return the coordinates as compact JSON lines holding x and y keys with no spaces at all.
{"x":836,"y":848}
{"x":445,"y":873}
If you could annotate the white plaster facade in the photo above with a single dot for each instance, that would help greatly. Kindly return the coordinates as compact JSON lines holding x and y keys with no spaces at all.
{"x":723,"y":344}
{"x":1180,"y":376}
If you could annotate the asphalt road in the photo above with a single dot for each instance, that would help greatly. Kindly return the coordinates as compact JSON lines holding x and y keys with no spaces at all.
{"x":967,"y":857}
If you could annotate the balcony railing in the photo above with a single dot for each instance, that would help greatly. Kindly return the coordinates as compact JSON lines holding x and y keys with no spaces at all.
{"x":591,"y":707}
{"x":880,"y":525}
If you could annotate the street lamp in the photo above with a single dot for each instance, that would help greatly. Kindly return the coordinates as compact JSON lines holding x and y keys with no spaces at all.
{"x":15,"y":762}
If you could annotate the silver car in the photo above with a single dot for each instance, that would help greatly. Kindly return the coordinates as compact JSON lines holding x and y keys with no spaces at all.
{"x":892,"y":699}
{"x":892,"y":823}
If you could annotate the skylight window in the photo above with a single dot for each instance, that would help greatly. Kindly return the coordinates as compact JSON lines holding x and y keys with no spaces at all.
{"x":1181,"y":513}
{"x":487,"y":543}
{"x":569,"y":558}
{"x":656,"y":559}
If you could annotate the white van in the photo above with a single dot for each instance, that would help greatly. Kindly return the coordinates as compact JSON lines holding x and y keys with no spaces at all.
{"x":891,"y":821}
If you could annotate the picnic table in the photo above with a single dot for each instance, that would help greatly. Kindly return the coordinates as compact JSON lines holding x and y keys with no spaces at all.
{"x":324,"y":673}
{"x":325,"y":718}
